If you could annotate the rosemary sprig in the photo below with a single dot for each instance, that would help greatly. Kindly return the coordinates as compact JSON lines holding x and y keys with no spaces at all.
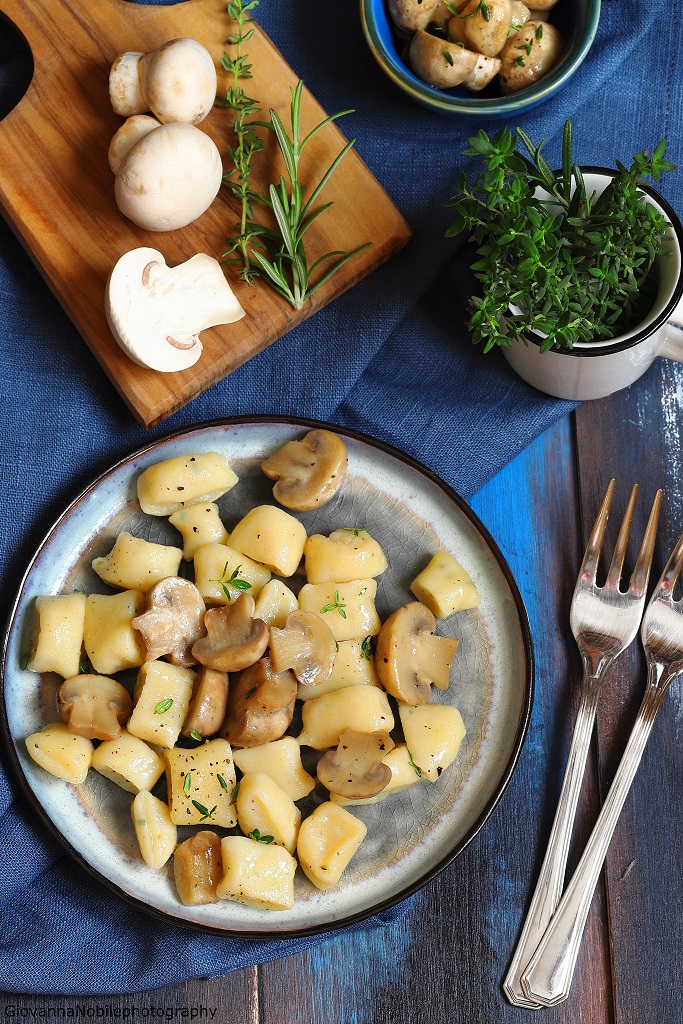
{"x":247,"y":144}
{"x":279,"y":256}
{"x":578,"y":266}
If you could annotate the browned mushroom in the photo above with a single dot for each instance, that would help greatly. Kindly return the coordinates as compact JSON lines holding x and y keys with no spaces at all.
{"x":308,"y":472}
{"x":208,"y":705}
{"x":355,"y":770}
{"x":235,"y":639}
{"x":198,"y":868}
{"x":261,"y":705}
{"x":174,"y":620}
{"x":306,"y":645}
{"x":409,"y":658}
{"x":94,"y":706}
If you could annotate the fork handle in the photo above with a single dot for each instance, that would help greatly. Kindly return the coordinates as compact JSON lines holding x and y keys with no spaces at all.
{"x":548,"y":977}
{"x":551,"y":878}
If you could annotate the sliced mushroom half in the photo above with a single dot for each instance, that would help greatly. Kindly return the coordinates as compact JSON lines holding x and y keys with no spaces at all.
{"x":308,"y":472}
{"x":173,"y":622}
{"x":235,"y":639}
{"x":208,"y":705}
{"x":409,"y":657}
{"x":261,"y":705}
{"x":355,"y":770}
{"x":93,"y":706}
{"x":306,"y":645}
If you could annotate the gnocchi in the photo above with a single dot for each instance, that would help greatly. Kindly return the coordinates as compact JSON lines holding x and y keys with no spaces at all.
{"x":177,"y":734}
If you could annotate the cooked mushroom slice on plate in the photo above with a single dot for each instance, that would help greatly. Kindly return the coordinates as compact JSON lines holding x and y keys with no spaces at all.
{"x":235,"y":639}
{"x":308,"y":472}
{"x":409,"y":657}
{"x":198,"y":868}
{"x":486,"y":26}
{"x":261,"y":705}
{"x":306,"y":645}
{"x":94,"y":706}
{"x":173,"y":622}
{"x":209,"y":704}
{"x":356,"y":769}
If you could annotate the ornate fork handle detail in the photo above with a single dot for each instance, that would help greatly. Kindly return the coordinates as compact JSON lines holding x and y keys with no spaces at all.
{"x":548,"y":977}
{"x":551,"y":879}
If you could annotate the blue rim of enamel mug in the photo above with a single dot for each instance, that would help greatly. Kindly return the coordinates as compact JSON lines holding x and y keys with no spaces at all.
{"x":382,"y":41}
{"x":588,"y":349}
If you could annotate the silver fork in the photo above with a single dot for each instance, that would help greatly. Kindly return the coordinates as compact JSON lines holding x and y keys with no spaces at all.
{"x":549,"y":975}
{"x":604,"y":621}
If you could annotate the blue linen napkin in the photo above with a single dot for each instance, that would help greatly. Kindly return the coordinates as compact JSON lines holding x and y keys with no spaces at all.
{"x":392,"y":357}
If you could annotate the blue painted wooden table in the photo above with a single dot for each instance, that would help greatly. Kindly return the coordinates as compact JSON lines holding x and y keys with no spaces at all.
{"x":445,"y":958}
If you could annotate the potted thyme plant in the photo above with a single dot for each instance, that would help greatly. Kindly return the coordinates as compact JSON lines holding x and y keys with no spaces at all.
{"x":560,"y":264}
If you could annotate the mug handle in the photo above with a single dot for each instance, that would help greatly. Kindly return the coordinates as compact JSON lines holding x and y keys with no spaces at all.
{"x":672,"y":336}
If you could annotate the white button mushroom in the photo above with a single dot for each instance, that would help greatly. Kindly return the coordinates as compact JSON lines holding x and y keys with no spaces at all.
{"x":169,"y":177}
{"x":177,"y":82}
{"x":130,"y":132}
{"x":156,"y":312}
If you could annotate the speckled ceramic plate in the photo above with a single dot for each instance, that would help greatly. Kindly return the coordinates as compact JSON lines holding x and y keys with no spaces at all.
{"x":411,"y":835}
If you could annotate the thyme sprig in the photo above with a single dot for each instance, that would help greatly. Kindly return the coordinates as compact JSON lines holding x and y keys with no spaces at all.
{"x":578,"y":267}
{"x":247,"y":143}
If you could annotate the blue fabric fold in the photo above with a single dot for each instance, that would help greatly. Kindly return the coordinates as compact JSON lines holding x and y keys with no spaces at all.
{"x":392,"y":358}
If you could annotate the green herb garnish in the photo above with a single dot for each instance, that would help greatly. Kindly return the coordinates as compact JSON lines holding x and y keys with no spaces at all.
{"x":335,"y":606}
{"x":205,"y":813}
{"x":539,"y":31}
{"x":366,"y":648}
{"x":257,"y":837}
{"x":232,"y":581}
{"x":163,"y":706}
{"x":196,"y":735}
{"x":575,"y":267}
{"x":23,"y":664}
{"x":222,"y":783}
{"x":233,"y":795}
{"x":448,"y":55}
{"x":187,"y":782}
{"x":412,"y":764}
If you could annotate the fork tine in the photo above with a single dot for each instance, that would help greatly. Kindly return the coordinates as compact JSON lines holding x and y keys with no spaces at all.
{"x":641,"y":573}
{"x":671,"y":571}
{"x":592,"y":555}
{"x":617,"y":563}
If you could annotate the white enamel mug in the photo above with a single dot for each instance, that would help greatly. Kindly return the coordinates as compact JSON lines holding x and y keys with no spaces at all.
{"x":599,"y":368}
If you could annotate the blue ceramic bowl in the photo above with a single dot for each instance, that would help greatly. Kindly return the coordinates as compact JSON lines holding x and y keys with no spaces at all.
{"x":577,"y":20}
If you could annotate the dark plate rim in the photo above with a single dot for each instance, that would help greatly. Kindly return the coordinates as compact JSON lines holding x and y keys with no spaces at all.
{"x":522,"y":725}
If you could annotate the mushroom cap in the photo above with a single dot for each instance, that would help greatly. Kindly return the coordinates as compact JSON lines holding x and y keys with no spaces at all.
{"x":131,"y":131}
{"x":156,"y":312}
{"x":427,"y":57}
{"x":261,"y":705}
{"x":308,"y":472}
{"x":209,"y":703}
{"x":544,"y":53}
{"x":355,"y":770}
{"x":93,"y":706}
{"x":409,"y":657}
{"x":235,"y":639}
{"x":178,"y":81}
{"x":173,"y":621}
{"x":169,"y":177}
{"x":306,"y":645}
{"x":124,"y":85}
{"x":486,"y":33}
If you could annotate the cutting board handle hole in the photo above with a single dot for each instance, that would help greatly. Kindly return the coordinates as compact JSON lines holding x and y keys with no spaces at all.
{"x":16,"y":66}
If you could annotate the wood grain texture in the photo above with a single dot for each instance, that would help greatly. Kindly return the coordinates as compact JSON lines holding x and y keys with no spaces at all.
{"x":640,"y":439}
{"x":57,"y":192}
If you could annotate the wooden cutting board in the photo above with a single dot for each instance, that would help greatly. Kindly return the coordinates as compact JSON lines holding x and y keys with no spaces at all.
{"x":57,"y":191}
